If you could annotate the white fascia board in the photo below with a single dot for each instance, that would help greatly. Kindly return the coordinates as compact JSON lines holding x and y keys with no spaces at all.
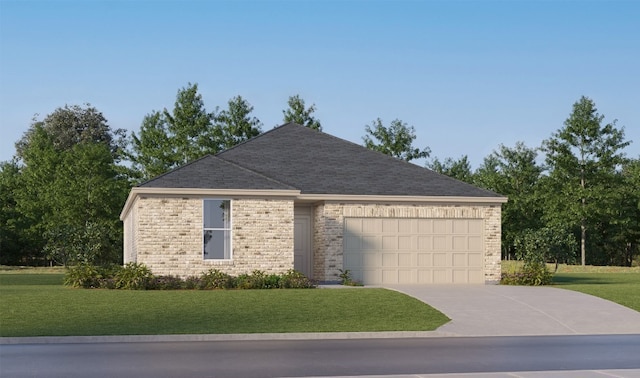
{"x":177,"y":192}
{"x":420,"y":199}
{"x":295,"y":195}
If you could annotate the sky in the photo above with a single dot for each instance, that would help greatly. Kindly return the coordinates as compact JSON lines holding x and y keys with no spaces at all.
{"x":468,"y":75}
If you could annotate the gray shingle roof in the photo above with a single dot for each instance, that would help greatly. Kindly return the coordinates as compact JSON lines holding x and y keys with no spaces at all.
{"x":293,"y":156}
{"x":211,"y":172}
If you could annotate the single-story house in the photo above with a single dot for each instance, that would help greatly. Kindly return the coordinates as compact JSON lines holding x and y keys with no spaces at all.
{"x":296,"y":198}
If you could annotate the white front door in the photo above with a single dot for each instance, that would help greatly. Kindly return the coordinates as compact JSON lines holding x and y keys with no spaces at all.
{"x":302,"y":261}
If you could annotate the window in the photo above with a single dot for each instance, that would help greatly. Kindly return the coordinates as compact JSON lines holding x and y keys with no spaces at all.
{"x":217,"y":229}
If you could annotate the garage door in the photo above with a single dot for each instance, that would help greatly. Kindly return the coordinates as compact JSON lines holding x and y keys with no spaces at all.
{"x":414,"y":251}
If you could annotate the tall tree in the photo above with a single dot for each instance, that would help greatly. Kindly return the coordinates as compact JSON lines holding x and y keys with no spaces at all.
{"x":151,"y":151}
{"x":395,"y":140}
{"x":618,"y":237}
{"x":75,"y":124}
{"x":583,"y":158}
{"x":235,"y":124}
{"x":514,"y":172}
{"x":170,"y":139}
{"x":15,"y":247}
{"x":88,"y":195}
{"x":71,"y":193}
{"x":298,"y":113}
{"x":459,"y":169}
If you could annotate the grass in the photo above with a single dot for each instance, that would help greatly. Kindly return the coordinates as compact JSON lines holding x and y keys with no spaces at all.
{"x":38,"y":305}
{"x":512,"y":265}
{"x":34,"y":303}
{"x":622,"y":288}
{"x":10,"y":269}
{"x":615,"y":283}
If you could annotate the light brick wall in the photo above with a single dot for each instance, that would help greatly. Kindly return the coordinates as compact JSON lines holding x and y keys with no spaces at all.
{"x":130,"y":235}
{"x":492,"y":243}
{"x":263,"y":235}
{"x":327,"y":241}
{"x":329,"y":229}
{"x":166,"y":234}
{"x":170,"y":237}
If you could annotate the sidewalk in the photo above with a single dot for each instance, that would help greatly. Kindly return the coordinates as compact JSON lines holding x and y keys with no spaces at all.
{"x":632,"y":373}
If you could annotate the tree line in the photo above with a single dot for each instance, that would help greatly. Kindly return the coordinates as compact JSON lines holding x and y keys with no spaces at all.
{"x":62,"y":193}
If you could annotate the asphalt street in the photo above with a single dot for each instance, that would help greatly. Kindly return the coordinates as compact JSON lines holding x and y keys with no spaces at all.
{"x":298,"y":358}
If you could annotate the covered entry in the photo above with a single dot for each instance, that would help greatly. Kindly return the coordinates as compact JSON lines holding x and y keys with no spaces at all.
{"x":302,"y":243}
{"x":414,"y":251}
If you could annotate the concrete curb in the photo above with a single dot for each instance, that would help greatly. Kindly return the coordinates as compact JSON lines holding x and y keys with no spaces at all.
{"x":221,"y":337}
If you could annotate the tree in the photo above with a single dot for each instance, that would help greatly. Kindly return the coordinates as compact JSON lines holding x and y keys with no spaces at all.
{"x":618,"y":238}
{"x":297,"y":113}
{"x":74,"y":124}
{"x":583,"y":158}
{"x":71,"y":193}
{"x":88,"y":196}
{"x":170,"y":139}
{"x":235,"y":125}
{"x":14,"y":246}
{"x":395,"y":140}
{"x":458,"y":169}
{"x":535,"y":248}
{"x":152,"y":154}
{"x":514,"y":173}
{"x":545,"y":244}
{"x":629,"y":219}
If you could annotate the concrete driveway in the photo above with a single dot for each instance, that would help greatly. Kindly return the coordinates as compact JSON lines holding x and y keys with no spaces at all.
{"x":494,"y":310}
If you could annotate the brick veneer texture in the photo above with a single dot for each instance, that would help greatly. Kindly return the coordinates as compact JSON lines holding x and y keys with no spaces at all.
{"x":169,"y":236}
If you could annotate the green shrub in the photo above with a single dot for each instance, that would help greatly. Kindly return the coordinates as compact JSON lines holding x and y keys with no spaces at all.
{"x":193,"y":282}
{"x":166,"y":283}
{"x":214,"y":279}
{"x":245,"y":281}
{"x":110,"y":271}
{"x":107,"y":283}
{"x":535,"y":248}
{"x":134,"y":276}
{"x":271,"y":281}
{"x":536,"y":274}
{"x":83,"y":276}
{"x":258,"y":280}
{"x":345,"y":278}
{"x":531,"y":274}
{"x":293,"y":279}
{"x":545,"y":244}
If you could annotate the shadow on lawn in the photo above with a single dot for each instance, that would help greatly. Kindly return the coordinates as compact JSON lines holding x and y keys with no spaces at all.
{"x":31,"y":279}
{"x":573,"y":280}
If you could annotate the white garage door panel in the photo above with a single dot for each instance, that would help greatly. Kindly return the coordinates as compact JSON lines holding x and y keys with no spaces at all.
{"x":353,"y":260}
{"x":425,"y":276}
{"x":405,"y":276}
{"x":425,"y":259}
{"x":429,"y":251}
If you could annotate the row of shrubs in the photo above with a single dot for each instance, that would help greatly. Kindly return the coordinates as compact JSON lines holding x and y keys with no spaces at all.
{"x":135,"y":276}
{"x":531,"y":274}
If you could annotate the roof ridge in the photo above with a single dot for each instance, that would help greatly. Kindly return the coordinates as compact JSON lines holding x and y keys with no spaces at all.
{"x":255,"y":172}
{"x":255,"y":137}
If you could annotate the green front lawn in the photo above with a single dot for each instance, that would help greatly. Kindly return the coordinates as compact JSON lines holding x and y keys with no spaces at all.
{"x":615,"y":283}
{"x":622,"y":288}
{"x":38,"y":305}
